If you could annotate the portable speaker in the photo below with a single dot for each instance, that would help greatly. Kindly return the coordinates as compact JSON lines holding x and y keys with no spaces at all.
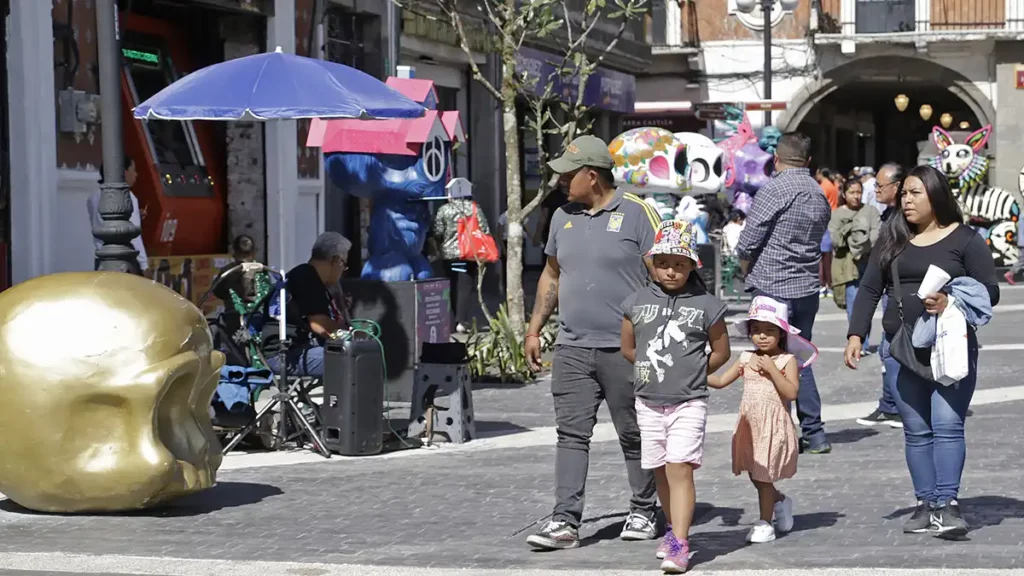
{"x":353,"y":407}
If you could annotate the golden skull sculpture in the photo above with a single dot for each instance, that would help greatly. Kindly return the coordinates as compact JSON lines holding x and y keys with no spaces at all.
{"x":105,"y":381}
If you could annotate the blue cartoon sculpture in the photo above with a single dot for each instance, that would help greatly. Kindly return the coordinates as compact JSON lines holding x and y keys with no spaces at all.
{"x":769,"y":140}
{"x":397,"y":164}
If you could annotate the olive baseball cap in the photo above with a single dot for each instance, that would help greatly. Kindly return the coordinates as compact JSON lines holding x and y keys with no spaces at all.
{"x":585,"y":151}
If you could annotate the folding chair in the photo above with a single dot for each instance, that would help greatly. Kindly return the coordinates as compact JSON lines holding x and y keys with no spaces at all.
{"x":288,"y":394}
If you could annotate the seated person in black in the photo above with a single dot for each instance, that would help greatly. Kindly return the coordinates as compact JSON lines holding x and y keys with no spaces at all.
{"x":312,"y":312}
{"x":243,"y":250}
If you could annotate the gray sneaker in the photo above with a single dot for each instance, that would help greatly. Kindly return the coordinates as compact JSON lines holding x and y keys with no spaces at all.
{"x":555,"y":535}
{"x":920,"y":521}
{"x":948,"y":523}
{"x":639,"y":527}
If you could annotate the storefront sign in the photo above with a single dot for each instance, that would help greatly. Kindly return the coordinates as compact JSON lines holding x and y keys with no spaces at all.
{"x":606,"y":89}
{"x":438,"y":29}
{"x":682,"y":122}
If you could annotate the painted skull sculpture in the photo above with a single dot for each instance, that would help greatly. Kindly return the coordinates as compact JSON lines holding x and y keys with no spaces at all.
{"x":106,"y":380}
{"x":649,"y":160}
{"x":707,"y":171}
{"x":961,"y":163}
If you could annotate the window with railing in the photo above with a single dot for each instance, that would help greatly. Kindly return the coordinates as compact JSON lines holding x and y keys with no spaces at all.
{"x":897,"y":16}
{"x":968,"y":14}
{"x":885,"y":16}
{"x":354,"y":39}
{"x":673,"y":24}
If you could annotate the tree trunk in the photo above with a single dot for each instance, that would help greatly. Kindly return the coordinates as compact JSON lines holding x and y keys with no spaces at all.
{"x":514,"y":190}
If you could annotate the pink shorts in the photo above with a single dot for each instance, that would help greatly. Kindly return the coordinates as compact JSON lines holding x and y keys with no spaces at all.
{"x":671,"y":434}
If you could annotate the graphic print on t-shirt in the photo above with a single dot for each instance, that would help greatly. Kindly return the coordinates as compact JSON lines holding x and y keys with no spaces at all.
{"x":670,"y":337}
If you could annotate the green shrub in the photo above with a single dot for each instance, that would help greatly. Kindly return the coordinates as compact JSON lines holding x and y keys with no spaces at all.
{"x":498,"y":353}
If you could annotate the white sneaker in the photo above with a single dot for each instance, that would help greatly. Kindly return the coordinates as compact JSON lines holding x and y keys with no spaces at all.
{"x":761,"y":533}
{"x":638,"y":527}
{"x":784,"y":515}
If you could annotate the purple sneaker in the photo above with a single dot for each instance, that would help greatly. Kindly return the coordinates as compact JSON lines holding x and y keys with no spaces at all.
{"x":666,"y":544}
{"x":678,"y":558}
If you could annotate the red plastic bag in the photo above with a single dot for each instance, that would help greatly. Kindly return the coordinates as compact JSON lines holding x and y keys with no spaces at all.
{"x":474,"y":245}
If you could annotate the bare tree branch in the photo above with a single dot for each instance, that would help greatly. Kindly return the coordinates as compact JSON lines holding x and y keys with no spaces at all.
{"x":456,"y":21}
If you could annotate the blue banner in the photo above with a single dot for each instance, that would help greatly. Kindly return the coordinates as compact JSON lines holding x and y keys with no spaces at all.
{"x":606,"y":89}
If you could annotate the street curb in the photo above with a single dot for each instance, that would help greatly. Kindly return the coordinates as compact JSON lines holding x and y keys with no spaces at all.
{"x":141,"y":565}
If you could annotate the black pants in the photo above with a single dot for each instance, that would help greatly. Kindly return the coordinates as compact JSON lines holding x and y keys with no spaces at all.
{"x":462,"y":289}
{"x":582,"y":378}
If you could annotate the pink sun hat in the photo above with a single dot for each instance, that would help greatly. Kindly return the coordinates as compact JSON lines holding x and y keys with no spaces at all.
{"x":765,"y":309}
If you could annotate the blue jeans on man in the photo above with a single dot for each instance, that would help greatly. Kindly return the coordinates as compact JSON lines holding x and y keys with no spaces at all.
{"x":808,"y":402}
{"x":300,"y":361}
{"x":933,"y":428}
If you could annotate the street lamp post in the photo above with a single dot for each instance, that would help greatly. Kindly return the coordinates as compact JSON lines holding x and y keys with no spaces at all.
{"x":115,"y":206}
{"x":746,"y":7}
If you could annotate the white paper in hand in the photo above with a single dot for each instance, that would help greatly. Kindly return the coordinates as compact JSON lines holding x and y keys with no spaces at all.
{"x":949,"y":354}
{"x":933,"y":281}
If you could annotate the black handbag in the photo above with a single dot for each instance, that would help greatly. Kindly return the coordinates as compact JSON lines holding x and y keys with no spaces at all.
{"x":902,"y":345}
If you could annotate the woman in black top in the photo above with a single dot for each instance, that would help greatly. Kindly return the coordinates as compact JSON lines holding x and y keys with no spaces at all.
{"x":926,"y":231}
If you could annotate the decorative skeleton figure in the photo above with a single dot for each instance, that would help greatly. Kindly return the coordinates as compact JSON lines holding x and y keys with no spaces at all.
{"x":992,"y":211}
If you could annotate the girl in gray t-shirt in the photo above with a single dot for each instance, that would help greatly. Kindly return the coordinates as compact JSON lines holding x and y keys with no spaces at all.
{"x":666,"y":329}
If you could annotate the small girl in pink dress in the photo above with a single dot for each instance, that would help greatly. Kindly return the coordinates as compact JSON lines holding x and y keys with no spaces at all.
{"x":765,"y":443}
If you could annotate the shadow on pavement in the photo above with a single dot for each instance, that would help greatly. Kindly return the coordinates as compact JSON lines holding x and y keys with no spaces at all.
{"x":223,"y":495}
{"x":491,"y":383}
{"x":852,"y":435}
{"x":710,"y":545}
{"x":815,"y":520}
{"x":493,"y":429}
{"x":703,"y":513}
{"x":980,"y":511}
{"x":706,"y":546}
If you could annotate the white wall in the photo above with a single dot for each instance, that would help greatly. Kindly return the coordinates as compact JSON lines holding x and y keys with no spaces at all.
{"x":735,"y":68}
{"x":70,"y":217}
{"x":33,"y":154}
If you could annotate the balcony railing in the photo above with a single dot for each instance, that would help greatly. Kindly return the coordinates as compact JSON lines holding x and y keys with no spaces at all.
{"x":673,"y":25}
{"x":849,"y":17}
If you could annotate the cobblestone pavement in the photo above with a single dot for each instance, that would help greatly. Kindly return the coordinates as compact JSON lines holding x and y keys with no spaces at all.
{"x":462,"y":508}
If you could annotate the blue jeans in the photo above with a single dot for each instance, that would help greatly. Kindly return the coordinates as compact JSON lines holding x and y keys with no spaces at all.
{"x":301,"y":362}
{"x":851,"y":297}
{"x":890,"y":370}
{"x":808,"y":402}
{"x":933,"y":428}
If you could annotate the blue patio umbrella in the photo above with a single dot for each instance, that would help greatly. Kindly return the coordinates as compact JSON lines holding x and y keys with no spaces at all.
{"x":277,"y":86}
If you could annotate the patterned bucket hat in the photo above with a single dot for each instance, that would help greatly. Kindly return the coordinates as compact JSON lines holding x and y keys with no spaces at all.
{"x":678,"y":238}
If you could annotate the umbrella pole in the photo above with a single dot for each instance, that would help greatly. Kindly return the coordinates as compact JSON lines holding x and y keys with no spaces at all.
{"x":115,"y":230}
{"x":287,"y":404}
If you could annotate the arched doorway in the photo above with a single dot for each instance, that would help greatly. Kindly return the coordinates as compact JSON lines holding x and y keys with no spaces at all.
{"x":894,"y":71}
{"x":851,"y":115}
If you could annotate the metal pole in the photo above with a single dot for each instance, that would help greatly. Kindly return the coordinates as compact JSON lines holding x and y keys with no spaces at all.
{"x":115,"y":206}
{"x":394,"y":30}
{"x":766,"y":10}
